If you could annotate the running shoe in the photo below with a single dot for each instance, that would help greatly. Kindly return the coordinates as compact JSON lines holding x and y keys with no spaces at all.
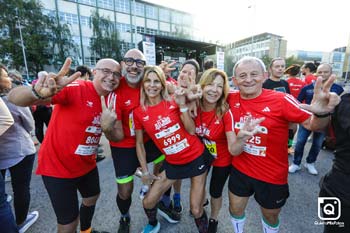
{"x":151,"y":229}
{"x":30,"y":220}
{"x":177,"y":205}
{"x":168,"y":213}
{"x":124,"y":225}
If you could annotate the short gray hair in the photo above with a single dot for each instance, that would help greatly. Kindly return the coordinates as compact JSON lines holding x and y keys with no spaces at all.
{"x":249,"y":59}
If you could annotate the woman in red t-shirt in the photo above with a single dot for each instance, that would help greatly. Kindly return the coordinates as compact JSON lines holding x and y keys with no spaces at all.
{"x":172,"y":129}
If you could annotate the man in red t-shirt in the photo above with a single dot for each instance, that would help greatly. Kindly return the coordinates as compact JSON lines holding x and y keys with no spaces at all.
{"x":308,"y":69}
{"x":67,"y":155}
{"x":262,"y":166}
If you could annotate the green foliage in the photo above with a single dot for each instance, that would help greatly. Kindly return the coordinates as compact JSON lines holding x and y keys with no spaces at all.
{"x":105,"y":40}
{"x":40,"y":33}
{"x":292,"y":60}
{"x":229,"y":65}
{"x":267,"y":60}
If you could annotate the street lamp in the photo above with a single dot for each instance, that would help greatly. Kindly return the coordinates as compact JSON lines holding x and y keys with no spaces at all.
{"x":19,"y":26}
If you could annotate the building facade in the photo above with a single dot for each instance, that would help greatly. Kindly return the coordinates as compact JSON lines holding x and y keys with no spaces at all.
{"x":132,"y":18}
{"x":265,"y":44}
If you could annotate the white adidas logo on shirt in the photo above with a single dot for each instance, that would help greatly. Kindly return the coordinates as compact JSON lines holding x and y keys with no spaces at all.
{"x":266,"y":109}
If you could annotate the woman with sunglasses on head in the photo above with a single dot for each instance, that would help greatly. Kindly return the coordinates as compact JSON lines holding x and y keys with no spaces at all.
{"x":172,"y":129}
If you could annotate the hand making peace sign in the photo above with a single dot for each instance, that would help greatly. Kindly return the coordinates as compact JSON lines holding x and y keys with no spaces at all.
{"x":48,"y":85}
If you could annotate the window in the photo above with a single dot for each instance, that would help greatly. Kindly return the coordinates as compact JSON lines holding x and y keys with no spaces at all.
{"x":122,"y":27}
{"x":49,"y":13}
{"x":107,"y":4}
{"x":164,"y":15}
{"x":187,"y":19}
{"x":68,"y":18}
{"x":151,"y":31}
{"x":177,"y":17}
{"x":85,"y":21}
{"x":151,"y":12}
{"x":139,"y":9}
{"x":88,"y":2}
{"x":122,"y":5}
{"x":90,"y":61}
{"x":140,"y":29}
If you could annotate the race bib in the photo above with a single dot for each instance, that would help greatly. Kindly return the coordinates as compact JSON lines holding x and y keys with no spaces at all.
{"x":211,"y":146}
{"x":131,"y":124}
{"x":89,"y":143}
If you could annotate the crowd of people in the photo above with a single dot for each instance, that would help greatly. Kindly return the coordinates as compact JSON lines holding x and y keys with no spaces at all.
{"x":187,"y":127}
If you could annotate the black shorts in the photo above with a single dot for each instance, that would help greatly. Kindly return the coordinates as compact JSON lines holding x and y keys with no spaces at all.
{"x":269,"y":196}
{"x":218,"y":179}
{"x":64,"y":197}
{"x":126,"y":162}
{"x":188,"y":170}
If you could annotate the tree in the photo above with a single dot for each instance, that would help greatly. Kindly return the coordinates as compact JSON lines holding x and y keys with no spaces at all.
{"x":267,"y":60}
{"x":105,"y":40}
{"x":292,"y":60}
{"x":229,"y":64}
{"x":38,"y":31}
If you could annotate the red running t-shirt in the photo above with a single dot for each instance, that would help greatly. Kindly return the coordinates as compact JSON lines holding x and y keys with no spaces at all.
{"x":295,"y":86}
{"x":71,"y":140}
{"x":127,"y":100}
{"x":265,"y":155}
{"x":213,"y":132}
{"x":163,"y":124}
{"x":310,"y":79}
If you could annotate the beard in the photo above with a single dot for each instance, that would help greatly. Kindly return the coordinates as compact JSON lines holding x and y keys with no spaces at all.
{"x":133,"y":80}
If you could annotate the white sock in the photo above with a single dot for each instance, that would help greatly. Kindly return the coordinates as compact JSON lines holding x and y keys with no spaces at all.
{"x":270,"y":229}
{"x":238,"y":223}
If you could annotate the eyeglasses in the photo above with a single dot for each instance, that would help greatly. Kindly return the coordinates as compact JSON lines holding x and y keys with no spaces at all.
{"x":129,"y":61}
{"x":107,"y":72}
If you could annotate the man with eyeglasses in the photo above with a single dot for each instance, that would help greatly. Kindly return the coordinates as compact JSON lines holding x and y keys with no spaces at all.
{"x":124,"y":152}
{"x":67,"y":155}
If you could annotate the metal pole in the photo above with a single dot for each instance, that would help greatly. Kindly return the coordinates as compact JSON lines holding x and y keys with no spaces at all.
{"x":347,"y":68}
{"x":23,"y":50}
{"x":133,"y":12}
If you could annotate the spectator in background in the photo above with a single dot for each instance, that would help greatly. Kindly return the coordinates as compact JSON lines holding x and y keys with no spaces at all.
{"x":275,"y":81}
{"x":308,"y":70}
{"x":7,"y":221}
{"x":16,"y":78}
{"x":41,"y":113}
{"x":306,"y":94}
{"x":294,"y":82}
{"x":208,"y":64}
{"x":17,"y":154}
{"x":85,"y":72}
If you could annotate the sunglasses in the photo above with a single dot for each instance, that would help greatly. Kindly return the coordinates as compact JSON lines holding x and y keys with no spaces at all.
{"x":108,"y":72}
{"x":129,"y":61}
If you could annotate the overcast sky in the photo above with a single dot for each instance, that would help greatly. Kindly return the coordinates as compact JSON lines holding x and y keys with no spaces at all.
{"x":312,"y":25}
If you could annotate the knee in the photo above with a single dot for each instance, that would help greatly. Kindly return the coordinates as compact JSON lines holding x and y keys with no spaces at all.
{"x":148,"y":203}
{"x":124,"y":191}
{"x":90,"y":201}
{"x":196,"y":211}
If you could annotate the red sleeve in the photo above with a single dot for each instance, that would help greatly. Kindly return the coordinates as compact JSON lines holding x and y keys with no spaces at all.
{"x":228,"y":121}
{"x":292,"y":111}
{"x":63,"y":96}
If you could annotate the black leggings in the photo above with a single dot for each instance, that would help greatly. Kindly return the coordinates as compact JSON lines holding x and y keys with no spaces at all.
{"x":218,"y":179}
{"x":21,"y":175}
{"x":41,"y":116}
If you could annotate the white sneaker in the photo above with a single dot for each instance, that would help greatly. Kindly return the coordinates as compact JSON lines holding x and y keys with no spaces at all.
{"x":294,"y":168}
{"x":311,"y":168}
{"x":30,"y":220}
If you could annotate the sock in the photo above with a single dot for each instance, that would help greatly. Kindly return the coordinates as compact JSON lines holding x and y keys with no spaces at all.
{"x":202,"y":223}
{"x":268,"y":228}
{"x":86,"y":214}
{"x":166,"y":200}
{"x":152,"y":216}
{"x":86,"y":231}
{"x":238,"y":223}
{"x":123,"y":205}
{"x":177,"y":196}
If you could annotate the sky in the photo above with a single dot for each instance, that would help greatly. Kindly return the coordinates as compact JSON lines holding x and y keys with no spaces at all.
{"x":311,"y":25}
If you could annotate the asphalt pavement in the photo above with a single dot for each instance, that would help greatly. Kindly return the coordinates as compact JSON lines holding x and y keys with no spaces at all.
{"x":297,"y":216}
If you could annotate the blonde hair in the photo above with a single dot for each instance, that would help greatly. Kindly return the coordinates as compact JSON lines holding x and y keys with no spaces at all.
{"x":160,"y":74}
{"x":207,"y":78}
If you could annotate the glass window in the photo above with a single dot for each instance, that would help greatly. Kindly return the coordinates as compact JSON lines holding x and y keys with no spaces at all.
{"x":122,"y":5}
{"x":139,"y":9}
{"x":140,"y":29}
{"x":122,"y":27}
{"x":164,"y":15}
{"x":84,"y":21}
{"x":88,"y":2}
{"x":151,"y":12}
{"x":68,"y":18}
{"x":107,"y":4}
{"x":49,"y":13}
{"x":151,"y":31}
{"x":177,"y":18}
{"x":187,"y":19}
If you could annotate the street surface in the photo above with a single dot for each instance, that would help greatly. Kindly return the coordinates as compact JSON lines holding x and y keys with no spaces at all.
{"x":297,"y":216}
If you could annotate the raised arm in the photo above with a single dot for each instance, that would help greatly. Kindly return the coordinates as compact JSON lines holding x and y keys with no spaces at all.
{"x":111,"y":127}
{"x":180,"y":99}
{"x":6,"y":119}
{"x":46,"y":87}
{"x":322,"y":105}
